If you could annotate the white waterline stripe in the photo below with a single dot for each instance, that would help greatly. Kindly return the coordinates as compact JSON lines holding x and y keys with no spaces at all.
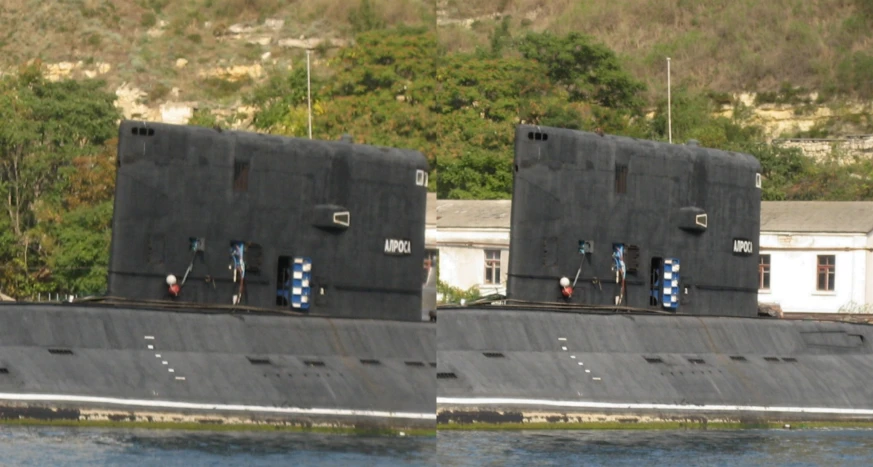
{"x":618,"y":405}
{"x":200,"y":406}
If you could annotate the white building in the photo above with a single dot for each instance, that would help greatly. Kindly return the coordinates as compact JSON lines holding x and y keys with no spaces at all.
{"x":473,"y":238}
{"x":430,"y":229}
{"x":431,"y":257}
{"x":814,"y":256}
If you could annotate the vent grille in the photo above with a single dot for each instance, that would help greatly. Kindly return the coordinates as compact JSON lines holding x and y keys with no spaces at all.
{"x":370,"y":362}
{"x":433,"y":364}
{"x":696,"y":361}
{"x":654,"y":359}
{"x":789,"y":359}
{"x":446,"y":375}
{"x":414,"y":363}
{"x":259,"y":361}
{"x":494,"y":354}
{"x":4,"y":371}
{"x":140,"y":131}
{"x":537,"y":136}
{"x":738,"y":358}
{"x":313,"y":363}
{"x":60,"y":351}
{"x":771,"y":359}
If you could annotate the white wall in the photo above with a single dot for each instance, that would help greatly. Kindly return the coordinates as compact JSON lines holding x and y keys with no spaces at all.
{"x":430,"y":236}
{"x":462,"y":257}
{"x":869,"y":286}
{"x":793,"y":271}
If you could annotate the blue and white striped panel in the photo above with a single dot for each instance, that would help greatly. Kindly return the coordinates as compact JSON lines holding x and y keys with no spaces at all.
{"x":670,"y":285}
{"x":301,"y":276}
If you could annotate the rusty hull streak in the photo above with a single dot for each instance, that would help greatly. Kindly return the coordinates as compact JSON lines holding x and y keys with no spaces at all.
{"x":731,"y":366}
{"x":493,"y":417}
{"x":38,"y":413}
{"x":58,"y":413}
{"x":356,"y":369}
{"x":479,"y":416}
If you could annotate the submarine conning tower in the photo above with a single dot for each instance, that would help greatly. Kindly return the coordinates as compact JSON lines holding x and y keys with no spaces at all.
{"x":606,"y":220}
{"x":224,"y":217}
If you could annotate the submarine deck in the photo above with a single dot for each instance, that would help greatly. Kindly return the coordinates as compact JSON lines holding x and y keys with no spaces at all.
{"x":69,"y":361}
{"x":522,"y":366}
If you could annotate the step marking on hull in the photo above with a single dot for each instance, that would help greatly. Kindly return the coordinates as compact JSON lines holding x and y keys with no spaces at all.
{"x":619,"y":405}
{"x":202,"y":406}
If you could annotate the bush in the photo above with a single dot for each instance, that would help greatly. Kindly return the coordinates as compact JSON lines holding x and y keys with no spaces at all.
{"x":148,"y":20}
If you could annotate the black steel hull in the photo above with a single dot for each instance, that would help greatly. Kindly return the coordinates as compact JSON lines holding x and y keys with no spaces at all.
{"x":522,"y":366}
{"x":95,"y":362}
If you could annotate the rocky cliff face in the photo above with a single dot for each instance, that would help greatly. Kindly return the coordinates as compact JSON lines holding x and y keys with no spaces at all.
{"x":270,"y":37}
{"x":176,"y":104}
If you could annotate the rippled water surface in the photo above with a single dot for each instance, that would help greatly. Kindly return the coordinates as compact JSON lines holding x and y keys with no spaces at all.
{"x":644,"y":448}
{"x":44,"y":446}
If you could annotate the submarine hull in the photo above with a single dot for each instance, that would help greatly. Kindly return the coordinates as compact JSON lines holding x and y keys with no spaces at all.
{"x":499,"y":366}
{"x":70,"y":362}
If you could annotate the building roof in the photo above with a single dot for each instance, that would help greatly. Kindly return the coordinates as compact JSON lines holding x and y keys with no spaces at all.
{"x":776,"y":216}
{"x":431,"y":216}
{"x":817,"y":216}
{"x":473,"y":213}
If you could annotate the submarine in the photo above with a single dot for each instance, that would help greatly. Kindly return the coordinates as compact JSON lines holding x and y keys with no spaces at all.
{"x":631,"y":300}
{"x":253,"y":279}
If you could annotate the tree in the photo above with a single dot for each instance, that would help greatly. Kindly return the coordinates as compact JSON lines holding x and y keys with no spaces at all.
{"x":48,"y":125}
{"x":589,"y":71}
{"x":475,"y":175}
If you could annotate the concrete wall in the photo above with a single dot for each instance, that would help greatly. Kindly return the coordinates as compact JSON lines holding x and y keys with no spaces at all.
{"x":793,"y":271}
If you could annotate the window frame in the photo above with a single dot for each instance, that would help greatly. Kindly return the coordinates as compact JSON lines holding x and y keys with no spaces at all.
{"x":493,"y":265}
{"x":764,"y":272}
{"x":826,"y":271}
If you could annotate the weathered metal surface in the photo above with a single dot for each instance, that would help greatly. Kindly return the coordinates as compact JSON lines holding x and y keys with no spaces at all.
{"x":246,"y":367}
{"x":279,"y":195}
{"x":186,"y":197}
{"x":588,"y":365}
{"x":572,"y":186}
{"x":579,"y":198}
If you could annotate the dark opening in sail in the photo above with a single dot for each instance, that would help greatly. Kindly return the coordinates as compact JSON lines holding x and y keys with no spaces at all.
{"x":240,"y":176}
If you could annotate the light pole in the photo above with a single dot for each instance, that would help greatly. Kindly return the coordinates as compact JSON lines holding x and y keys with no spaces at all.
{"x":309,"y":92}
{"x":669,"y":116}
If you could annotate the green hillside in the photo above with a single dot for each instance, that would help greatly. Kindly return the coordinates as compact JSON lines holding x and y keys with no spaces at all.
{"x":724,"y":46}
{"x":142,"y":40}
{"x":450,"y":79}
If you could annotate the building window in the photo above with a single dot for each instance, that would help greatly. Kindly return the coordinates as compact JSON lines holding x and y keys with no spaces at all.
{"x":492,"y":266}
{"x":764,"y":272}
{"x":826,"y":272}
